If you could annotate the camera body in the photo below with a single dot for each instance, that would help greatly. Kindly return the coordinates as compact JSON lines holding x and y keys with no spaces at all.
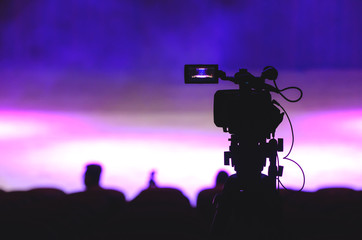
{"x":248,"y":110}
{"x":251,"y":114}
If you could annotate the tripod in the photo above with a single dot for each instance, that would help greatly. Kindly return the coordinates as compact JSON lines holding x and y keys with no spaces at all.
{"x":249,"y":205}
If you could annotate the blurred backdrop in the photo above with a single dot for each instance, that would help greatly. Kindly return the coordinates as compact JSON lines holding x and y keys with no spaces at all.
{"x":102,"y":81}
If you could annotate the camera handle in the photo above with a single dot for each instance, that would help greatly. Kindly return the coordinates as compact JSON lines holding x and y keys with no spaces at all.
{"x":245,"y":79}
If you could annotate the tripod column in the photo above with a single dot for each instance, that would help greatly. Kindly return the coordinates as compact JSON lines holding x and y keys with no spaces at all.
{"x":273,"y":148}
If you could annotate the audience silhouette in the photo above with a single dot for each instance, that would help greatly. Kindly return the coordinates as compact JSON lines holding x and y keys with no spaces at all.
{"x":205,"y":199}
{"x":92,"y":177}
{"x":96,"y":213}
{"x":152,"y":182}
{"x":162,"y":213}
{"x":165,"y":213}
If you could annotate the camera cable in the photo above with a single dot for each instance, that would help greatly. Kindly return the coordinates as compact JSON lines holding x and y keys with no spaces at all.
{"x":286,"y":157}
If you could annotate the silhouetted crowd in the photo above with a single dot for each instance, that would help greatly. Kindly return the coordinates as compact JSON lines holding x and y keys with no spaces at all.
{"x":165,"y":213}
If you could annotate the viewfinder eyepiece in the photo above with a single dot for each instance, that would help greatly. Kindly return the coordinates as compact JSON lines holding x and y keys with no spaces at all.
{"x":206,"y":73}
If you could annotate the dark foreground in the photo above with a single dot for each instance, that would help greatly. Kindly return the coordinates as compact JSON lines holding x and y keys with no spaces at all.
{"x":333,"y":213}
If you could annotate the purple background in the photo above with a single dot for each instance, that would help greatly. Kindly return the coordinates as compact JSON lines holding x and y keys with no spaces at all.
{"x":103,"y":81}
{"x":164,"y":35}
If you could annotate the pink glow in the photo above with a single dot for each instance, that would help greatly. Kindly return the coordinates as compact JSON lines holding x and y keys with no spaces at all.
{"x":328,"y":146}
{"x":12,"y":126}
{"x":51,"y":149}
{"x":60,"y":144}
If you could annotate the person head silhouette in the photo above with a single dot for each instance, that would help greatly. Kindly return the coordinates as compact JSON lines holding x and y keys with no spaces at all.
{"x":205,"y":200}
{"x":152,"y":183}
{"x":92,"y":176}
{"x":221,"y":178}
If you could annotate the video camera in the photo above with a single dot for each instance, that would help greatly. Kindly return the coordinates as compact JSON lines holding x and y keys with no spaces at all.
{"x":248,"y":110}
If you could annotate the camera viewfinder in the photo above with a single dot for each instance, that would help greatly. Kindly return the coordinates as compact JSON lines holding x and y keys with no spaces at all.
{"x":207,"y":73}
